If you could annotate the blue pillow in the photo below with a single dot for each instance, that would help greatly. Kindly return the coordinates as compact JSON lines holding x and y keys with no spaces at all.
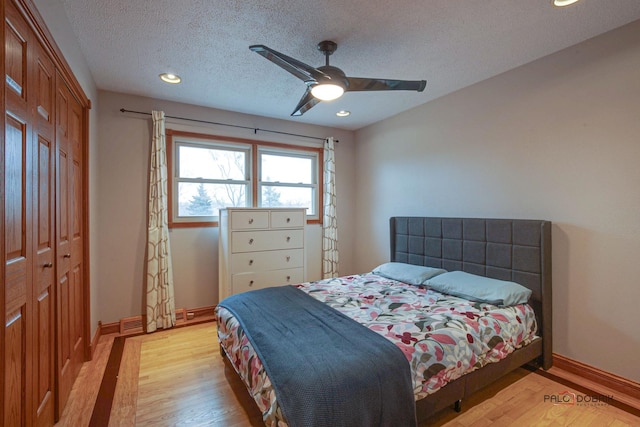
{"x":407,"y":273}
{"x":479,"y":288}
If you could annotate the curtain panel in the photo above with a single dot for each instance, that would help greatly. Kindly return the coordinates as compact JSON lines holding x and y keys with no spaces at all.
{"x":329,"y":220}
{"x":161,"y":312}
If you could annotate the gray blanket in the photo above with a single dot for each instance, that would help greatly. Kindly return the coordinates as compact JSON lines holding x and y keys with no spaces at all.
{"x":326,"y":369}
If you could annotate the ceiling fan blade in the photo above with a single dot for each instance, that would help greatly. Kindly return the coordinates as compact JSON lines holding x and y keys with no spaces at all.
{"x":306,"y":102}
{"x":365,"y":84}
{"x":304,"y":72}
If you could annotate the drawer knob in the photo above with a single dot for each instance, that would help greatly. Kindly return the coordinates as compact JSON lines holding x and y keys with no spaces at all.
{"x":251,"y":283}
{"x":250,"y":220}
{"x":288,"y":258}
{"x":288,"y":219}
{"x":47,"y":265}
{"x":250,"y":262}
{"x":288,"y":278}
{"x":66,"y":256}
{"x":251,"y":241}
{"x":288,"y":238}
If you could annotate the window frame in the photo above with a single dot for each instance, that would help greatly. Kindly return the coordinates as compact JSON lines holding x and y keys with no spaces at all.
{"x":176,"y":138}
{"x":291,"y":153}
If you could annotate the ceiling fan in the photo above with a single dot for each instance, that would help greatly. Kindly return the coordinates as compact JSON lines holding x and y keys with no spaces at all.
{"x":327,"y":82}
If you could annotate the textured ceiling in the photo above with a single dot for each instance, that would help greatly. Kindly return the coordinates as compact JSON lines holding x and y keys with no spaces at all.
{"x":451,"y":44}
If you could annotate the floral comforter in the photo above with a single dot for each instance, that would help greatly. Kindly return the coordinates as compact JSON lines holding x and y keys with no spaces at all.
{"x":443,"y":337}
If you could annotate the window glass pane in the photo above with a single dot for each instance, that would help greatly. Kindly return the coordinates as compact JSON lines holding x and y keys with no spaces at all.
{"x":199,"y":199}
{"x":289,"y":197}
{"x":209,"y":163}
{"x":294,"y":170}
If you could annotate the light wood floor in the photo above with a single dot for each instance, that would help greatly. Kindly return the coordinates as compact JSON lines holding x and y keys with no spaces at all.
{"x":178,"y":377}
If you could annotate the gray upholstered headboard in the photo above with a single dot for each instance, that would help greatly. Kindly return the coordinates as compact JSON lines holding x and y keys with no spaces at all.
{"x":507,"y":249}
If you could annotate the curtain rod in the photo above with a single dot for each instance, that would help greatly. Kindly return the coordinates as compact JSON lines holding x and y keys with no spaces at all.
{"x":255,"y":130}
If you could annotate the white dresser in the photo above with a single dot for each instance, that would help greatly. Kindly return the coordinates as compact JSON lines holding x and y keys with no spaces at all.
{"x":260,"y":247}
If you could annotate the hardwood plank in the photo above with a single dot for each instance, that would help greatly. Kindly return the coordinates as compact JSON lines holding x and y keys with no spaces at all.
{"x":522,"y":401}
{"x":104,"y":400}
{"x":183,"y":380}
{"x":177,"y":376}
{"x":125,"y":400}
{"x":85,"y":389}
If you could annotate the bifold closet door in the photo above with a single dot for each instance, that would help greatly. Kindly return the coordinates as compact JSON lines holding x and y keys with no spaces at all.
{"x":44,"y":278}
{"x":18,"y":222}
{"x":29,"y":224}
{"x":43,"y":216}
{"x":69,"y":288}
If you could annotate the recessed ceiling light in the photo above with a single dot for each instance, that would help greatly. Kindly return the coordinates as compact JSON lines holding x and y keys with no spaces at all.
{"x":562,"y":3}
{"x":170,"y":78}
{"x":343,"y":113}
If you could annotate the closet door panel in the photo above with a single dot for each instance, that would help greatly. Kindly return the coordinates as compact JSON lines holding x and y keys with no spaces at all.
{"x":70,"y":292}
{"x":17,"y":271}
{"x":76,"y":206}
{"x":44,"y":280}
{"x":14,"y":378}
{"x":76,"y":259}
{"x":44,"y":221}
{"x":15,"y":192}
{"x":45,"y":89}
{"x":19,"y":256}
{"x":63,"y":291}
{"x":76,"y":316}
{"x":63,"y":203}
{"x":16,"y":34}
{"x":63,"y":344}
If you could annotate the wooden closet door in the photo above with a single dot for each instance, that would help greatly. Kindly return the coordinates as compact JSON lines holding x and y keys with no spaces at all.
{"x":18,"y":223}
{"x":42,"y":214}
{"x":29,"y":219}
{"x":44,"y":239}
{"x":69,"y":292}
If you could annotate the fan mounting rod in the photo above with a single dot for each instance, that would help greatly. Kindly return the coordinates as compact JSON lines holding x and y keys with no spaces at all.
{"x":327,"y":47}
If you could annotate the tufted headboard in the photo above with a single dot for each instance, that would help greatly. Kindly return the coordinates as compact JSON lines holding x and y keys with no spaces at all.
{"x":508,"y":249}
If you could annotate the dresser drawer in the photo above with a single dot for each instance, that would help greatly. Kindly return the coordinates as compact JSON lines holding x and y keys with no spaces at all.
{"x":268,"y":260}
{"x":249,"y":220}
{"x":287,"y":219}
{"x":253,"y":241}
{"x":243,"y":282}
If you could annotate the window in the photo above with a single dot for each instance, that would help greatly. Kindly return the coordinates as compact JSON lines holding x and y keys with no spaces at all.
{"x":209,"y":177}
{"x":207,"y":173}
{"x":288,"y":179}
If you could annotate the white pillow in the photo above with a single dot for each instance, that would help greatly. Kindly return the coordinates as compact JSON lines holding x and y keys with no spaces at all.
{"x":407,"y":273}
{"x":479,"y":288}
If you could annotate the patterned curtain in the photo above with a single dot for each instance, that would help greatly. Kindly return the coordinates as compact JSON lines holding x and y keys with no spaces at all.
{"x":329,"y":221}
{"x":161,"y":310}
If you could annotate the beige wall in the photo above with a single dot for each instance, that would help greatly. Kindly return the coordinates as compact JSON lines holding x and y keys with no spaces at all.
{"x":123,"y":159}
{"x":557,"y":139}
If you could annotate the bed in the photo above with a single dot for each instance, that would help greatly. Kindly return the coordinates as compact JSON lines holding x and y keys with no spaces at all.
{"x":511,"y":250}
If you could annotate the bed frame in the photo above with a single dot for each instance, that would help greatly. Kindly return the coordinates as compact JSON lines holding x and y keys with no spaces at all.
{"x":507,"y":249}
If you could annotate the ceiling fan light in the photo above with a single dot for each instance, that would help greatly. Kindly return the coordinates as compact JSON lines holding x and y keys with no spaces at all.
{"x":327,"y":91}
